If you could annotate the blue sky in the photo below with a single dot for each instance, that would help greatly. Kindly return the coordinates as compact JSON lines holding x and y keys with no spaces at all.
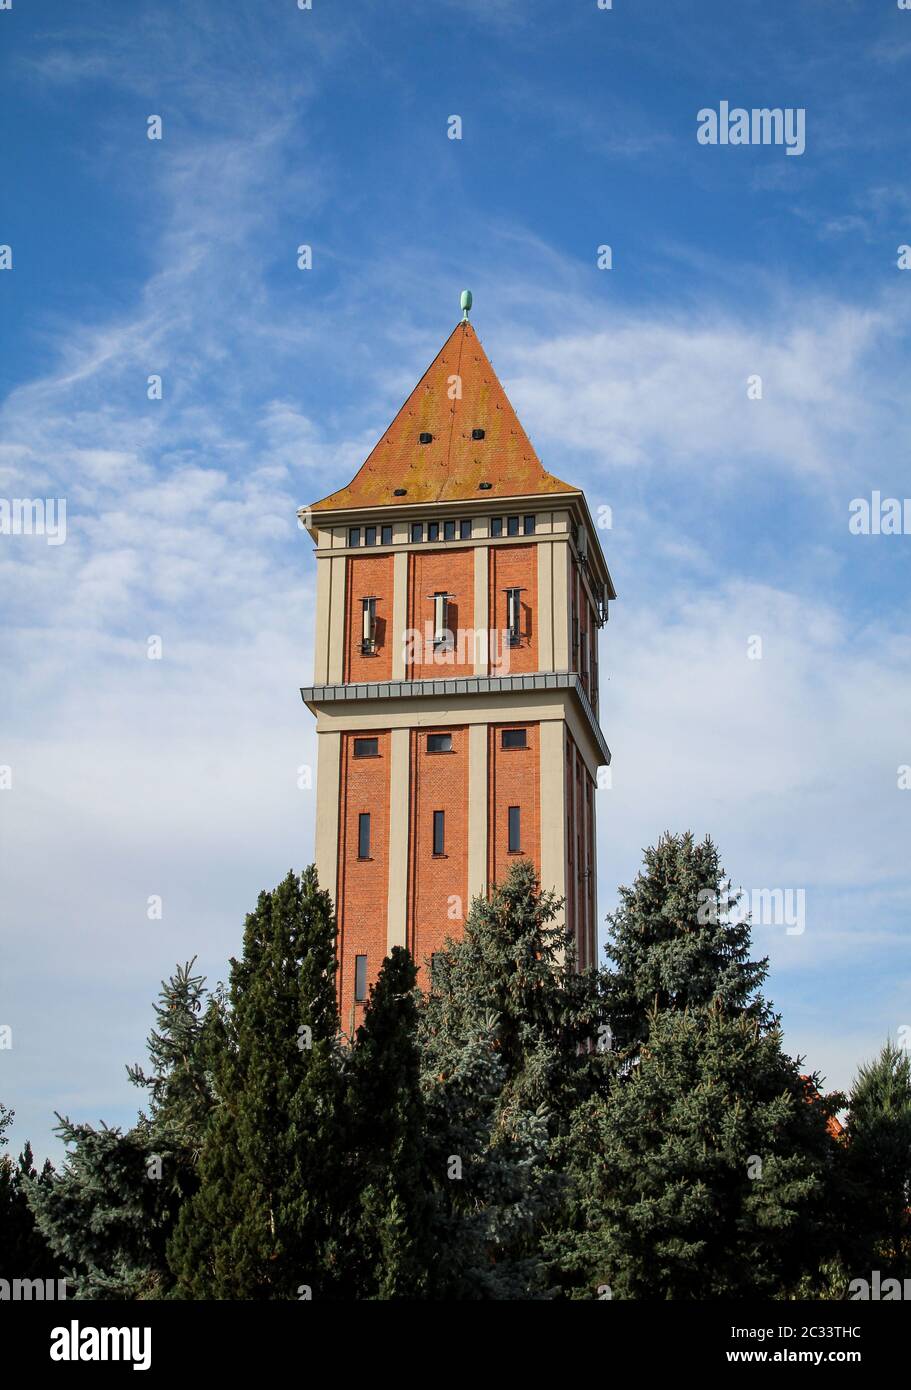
{"x":178,"y":777}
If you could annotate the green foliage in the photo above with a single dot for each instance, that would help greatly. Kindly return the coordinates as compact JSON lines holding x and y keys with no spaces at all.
{"x":878,"y":1166}
{"x":391,"y":1225}
{"x":508,"y":1036}
{"x":519,"y":1130}
{"x":673,"y":945}
{"x":270,"y":1218}
{"x":180,"y":1048}
{"x":704,"y":1169}
{"x":24,"y":1253}
{"x":827,"y":1284}
{"x":110,"y":1211}
{"x":713,"y":1166}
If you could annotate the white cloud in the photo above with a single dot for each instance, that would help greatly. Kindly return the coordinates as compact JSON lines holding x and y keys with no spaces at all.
{"x":178,"y":777}
{"x":672,"y":395}
{"x":790,"y":763}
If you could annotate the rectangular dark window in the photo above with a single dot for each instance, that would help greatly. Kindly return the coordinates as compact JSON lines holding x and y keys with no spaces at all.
{"x":387,"y":535}
{"x":417,"y":531}
{"x":354,"y":535}
{"x":512,"y":526}
{"x":439,"y":743}
{"x":363,"y":835}
{"x":433,"y":530}
{"x":448,"y":530}
{"x":366,"y":748}
{"x":464,"y":530}
{"x":496,"y":526}
{"x":439,"y":832}
{"x":515,"y":830}
{"x":529,"y":526}
{"x":514,"y":738}
{"x":370,"y":535}
{"x":360,"y":979}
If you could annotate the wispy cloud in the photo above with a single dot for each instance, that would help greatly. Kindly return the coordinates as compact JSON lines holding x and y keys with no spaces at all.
{"x":179,"y":776}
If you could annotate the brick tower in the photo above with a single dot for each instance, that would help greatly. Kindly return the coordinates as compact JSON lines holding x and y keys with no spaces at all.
{"x":460,"y":589}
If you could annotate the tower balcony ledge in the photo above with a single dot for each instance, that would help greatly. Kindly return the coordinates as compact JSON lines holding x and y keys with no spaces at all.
{"x":316,"y":697}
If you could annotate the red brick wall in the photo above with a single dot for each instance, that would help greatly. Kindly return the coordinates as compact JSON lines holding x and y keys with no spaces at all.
{"x":583,"y":635}
{"x":439,"y":782}
{"x":513,"y":779}
{"x":368,"y":574}
{"x":580,"y":867}
{"x":569,"y":798}
{"x":591,"y":952}
{"x":511,"y":567}
{"x":441,"y":571}
{"x":363,"y":884}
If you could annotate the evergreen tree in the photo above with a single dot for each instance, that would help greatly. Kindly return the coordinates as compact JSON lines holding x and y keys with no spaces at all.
{"x":706,"y":1171}
{"x":878,"y":1166}
{"x":706,"y":1167}
{"x":270,"y":1219}
{"x":673,"y":944}
{"x":180,"y":1048}
{"x":24,"y":1253}
{"x":508,"y":1034}
{"x":109,"y":1213}
{"x":392,"y":1223}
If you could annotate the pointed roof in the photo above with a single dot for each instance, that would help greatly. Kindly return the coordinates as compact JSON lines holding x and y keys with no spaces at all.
{"x":451,"y":467}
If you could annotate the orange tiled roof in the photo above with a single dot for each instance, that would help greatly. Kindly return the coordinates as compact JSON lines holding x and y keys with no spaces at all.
{"x":453,"y":464}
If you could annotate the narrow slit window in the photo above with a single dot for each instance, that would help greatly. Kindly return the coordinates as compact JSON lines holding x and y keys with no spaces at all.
{"x":512,"y":526}
{"x":363,"y":835}
{"x":387,"y":535}
{"x":515,"y":830}
{"x":442,"y":637}
{"x":433,"y":530}
{"x":465,"y":530}
{"x":368,"y":625}
{"x":448,"y":530}
{"x":360,"y":979}
{"x":514,"y":616}
{"x":439,"y":832}
{"x":496,"y":526}
{"x":417,"y":531}
{"x":354,"y":535}
{"x":529,"y":526}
